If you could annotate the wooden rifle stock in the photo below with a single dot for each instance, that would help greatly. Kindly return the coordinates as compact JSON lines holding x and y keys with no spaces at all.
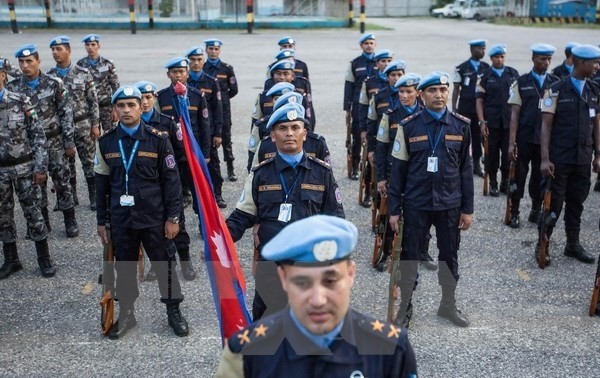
{"x":392,"y":289}
{"x":595,"y":294}
{"x":381,"y":225}
{"x":510,"y":191}
{"x":362,"y":167}
{"x":107,"y":279}
{"x":486,"y":177}
{"x":547,"y":217}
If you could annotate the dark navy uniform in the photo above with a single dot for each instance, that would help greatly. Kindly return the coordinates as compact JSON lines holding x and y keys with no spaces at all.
{"x":466,"y":77}
{"x":275,"y":347}
{"x":303,"y":87}
{"x":314,"y":146}
{"x":156,"y":189}
{"x":562,"y":71}
{"x":229,"y":89}
{"x":264,"y":107}
{"x":381,"y":103}
{"x":371,"y":86}
{"x":360,"y":68}
{"x":527,"y":93}
{"x":494,"y":92}
{"x":312,"y":190}
{"x":300,"y":68}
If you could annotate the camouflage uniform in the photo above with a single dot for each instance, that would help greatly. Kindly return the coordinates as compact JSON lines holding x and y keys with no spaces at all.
{"x":22,"y":154}
{"x":53,"y":106}
{"x":82,"y":91}
{"x":105,"y":76}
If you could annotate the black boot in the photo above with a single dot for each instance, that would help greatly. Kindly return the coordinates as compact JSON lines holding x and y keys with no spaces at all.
{"x":71,"y":223}
{"x":354,"y":173}
{"x":448,"y":308}
{"x":536,"y":208}
{"x":91,"y":184}
{"x":73,"y":182}
{"x":574,"y":249}
{"x":405,"y":310}
{"x":187,"y":269}
{"x":514,"y":220}
{"x":46,"y":218}
{"x":125,"y":322}
{"x":230,"y":173}
{"x":11,"y":260}
{"x":477,"y":171}
{"x":41,"y":247}
{"x":176,"y":320}
{"x":494,"y":189}
{"x":220,"y":201}
{"x":597,"y":184}
{"x":425,"y":258}
{"x":504,"y":186}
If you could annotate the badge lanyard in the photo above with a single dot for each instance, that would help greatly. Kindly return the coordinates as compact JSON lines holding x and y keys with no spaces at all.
{"x":127,"y":163}
{"x":432,"y":161}
{"x":285,"y":189}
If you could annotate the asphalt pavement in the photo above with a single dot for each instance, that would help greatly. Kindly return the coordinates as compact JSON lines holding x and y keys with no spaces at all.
{"x":524,"y":321}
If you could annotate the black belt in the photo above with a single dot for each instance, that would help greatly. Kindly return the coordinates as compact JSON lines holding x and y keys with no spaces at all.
{"x":13,"y":162}
{"x":81,"y":118}
{"x":53,"y":133}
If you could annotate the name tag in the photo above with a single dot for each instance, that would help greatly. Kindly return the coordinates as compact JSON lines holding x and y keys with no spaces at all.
{"x":285,"y":212}
{"x":466,"y":81}
{"x":78,"y":81}
{"x":44,"y":94}
{"x":432,"y":164}
{"x":103,"y":69}
{"x":126,"y":200}
{"x":592,"y":112}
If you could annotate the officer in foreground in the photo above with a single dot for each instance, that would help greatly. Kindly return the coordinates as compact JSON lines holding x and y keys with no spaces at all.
{"x":431,"y":183}
{"x":136,"y":168}
{"x":317,"y":331}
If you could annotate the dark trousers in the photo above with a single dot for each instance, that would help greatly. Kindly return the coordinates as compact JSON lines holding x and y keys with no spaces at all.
{"x":476,"y":150}
{"x":571,"y":185}
{"x":269,"y":296}
{"x":497,"y":143}
{"x":417,"y":224}
{"x":226,"y":140}
{"x":214,"y":170}
{"x":127,"y":243}
{"x":356,"y":142}
{"x":528,"y":153}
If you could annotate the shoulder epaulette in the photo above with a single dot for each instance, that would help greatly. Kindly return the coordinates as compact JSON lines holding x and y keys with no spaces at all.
{"x":262,"y":164}
{"x":194,"y":90}
{"x":319,"y":161}
{"x":162,"y":90}
{"x":165,"y":116}
{"x":256,"y":333}
{"x":109,"y":132}
{"x":83,"y":69}
{"x":156,"y":132}
{"x":461,"y":117}
{"x":409,"y":118}
{"x":54,"y":78}
{"x":383,"y":330}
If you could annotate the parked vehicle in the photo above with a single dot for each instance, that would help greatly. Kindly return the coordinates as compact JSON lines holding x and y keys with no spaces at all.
{"x":481,"y":9}
{"x":447,"y":11}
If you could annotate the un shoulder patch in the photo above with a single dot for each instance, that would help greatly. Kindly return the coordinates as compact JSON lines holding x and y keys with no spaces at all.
{"x":461,"y":117}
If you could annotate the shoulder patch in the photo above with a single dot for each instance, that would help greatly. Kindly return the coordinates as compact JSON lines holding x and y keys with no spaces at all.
{"x":262,"y":164}
{"x":257,"y":332}
{"x":409,"y":118}
{"x":319,"y":161}
{"x":158,"y":133}
{"x":381,"y":329}
{"x":461,"y":117}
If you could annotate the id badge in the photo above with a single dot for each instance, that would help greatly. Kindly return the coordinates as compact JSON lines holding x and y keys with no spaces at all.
{"x":126,"y":200}
{"x":467,"y":81}
{"x":432,"y":164}
{"x":592,"y":112}
{"x":540,"y":103}
{"x":285,"y":212}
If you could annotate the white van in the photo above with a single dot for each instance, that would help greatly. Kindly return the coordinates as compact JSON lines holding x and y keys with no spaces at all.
{"x":480,"y":9}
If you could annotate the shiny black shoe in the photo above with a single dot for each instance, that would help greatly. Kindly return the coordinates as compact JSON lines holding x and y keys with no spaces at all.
{"x":597,"y":186}
{"x":367,"y":202}
{"x":403,"y":318}
{"x":514,"y":221}
{"x":220,"y":202}
{"x":187,"y":270}
{"x":354,"y":175}
{"x":494,"y":190}
{"x":477,"y":171}
{"x":534,"y":216}
{"x":125,"y":322}
{"x":187,"y":201}
{"x":576,"y":251}
{"x":177,"y":321}
{"x":454,"y":315}
{"x":504,"y":187}
{"x":427,"y":261}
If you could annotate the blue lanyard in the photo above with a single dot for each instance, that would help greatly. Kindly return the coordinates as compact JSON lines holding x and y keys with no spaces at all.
{"x":285,"y":189}
{"x":127,"y":164}
{"x":437,"y":140}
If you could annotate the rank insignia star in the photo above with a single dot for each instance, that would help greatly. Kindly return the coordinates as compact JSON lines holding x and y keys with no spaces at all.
{"x":261,"y":330}
{"x":377,"y":326}
{"x":243,"y":337}
{"x":394,"y":332}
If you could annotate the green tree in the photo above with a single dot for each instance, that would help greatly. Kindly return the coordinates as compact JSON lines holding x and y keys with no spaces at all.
{"x":166,"y":8}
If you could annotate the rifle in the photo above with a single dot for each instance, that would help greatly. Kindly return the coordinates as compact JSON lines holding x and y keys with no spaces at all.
{"x":486,"y":176}
{"x":511,"y":190}
{"x":392,"y":289}
{"x":107,"y":280}
{"x":349,"y":146}
{"x":375,"y":194}
{"x":362,"y":180}
{"x":380,"y":229}
{"x":595,"y":302}
{"x":548,"y":217}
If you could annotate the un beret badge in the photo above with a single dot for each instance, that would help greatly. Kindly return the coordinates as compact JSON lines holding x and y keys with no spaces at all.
{"x":148,"y":87}
{"x":128,"y":91}
{"x":325,"y":250}
{"x":443,"y":79}
{"x":292,"y":115}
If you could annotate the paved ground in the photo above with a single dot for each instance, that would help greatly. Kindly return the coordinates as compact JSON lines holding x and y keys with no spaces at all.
{"x":525,"y":322}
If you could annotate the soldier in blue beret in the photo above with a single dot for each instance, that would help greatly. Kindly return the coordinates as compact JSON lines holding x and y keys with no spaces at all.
{"x":525,"y":124}
{"x":566,"y":67}
{"x":289,"y":43}
{"x":225,"y":75}
{"x":493,"y":114}
{"x":430,"y":155}
{"x":317,"y":328}
{"x":289,"y":186}
{"x":136,"y":168}
{"x":569,"y":144}
{"x":105,"y":77}
{"x":464,"y":93}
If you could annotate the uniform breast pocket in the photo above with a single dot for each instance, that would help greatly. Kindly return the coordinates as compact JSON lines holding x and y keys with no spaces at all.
{"x":147,"y":169}
{"x":453,"y":154}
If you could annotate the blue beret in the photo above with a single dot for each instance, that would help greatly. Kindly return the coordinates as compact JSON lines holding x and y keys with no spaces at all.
{"x":289,"y":98}
{"x":395,"y":65}
{"x":25,"y":51}
{"x":213,"y":42}
{"x":586,"y":52}
{"x":177,"y":62}
{"x":316,"y":240}
{"x":124,"y":92}
{"x":383,"y":54}
{"x":281,"y":88}
{"x":498,"y":49}
{"x":196,"y":50}
{"x":286,"y":40}
{"x":285,"y":54}
{"x":91,"y":38}
{"x":477,"y":42}
{"x":146,"y":86}
{"x":434,"y":78}
{"x":60,"y":40}
{"x":366,"y":37}
{"x":285,"y":64}
{"x":2,"y":62}
{"x":570,"y":46}
{"x":287,"y":112}
{"x":543,"y":49}
{"x":408,"y":80}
